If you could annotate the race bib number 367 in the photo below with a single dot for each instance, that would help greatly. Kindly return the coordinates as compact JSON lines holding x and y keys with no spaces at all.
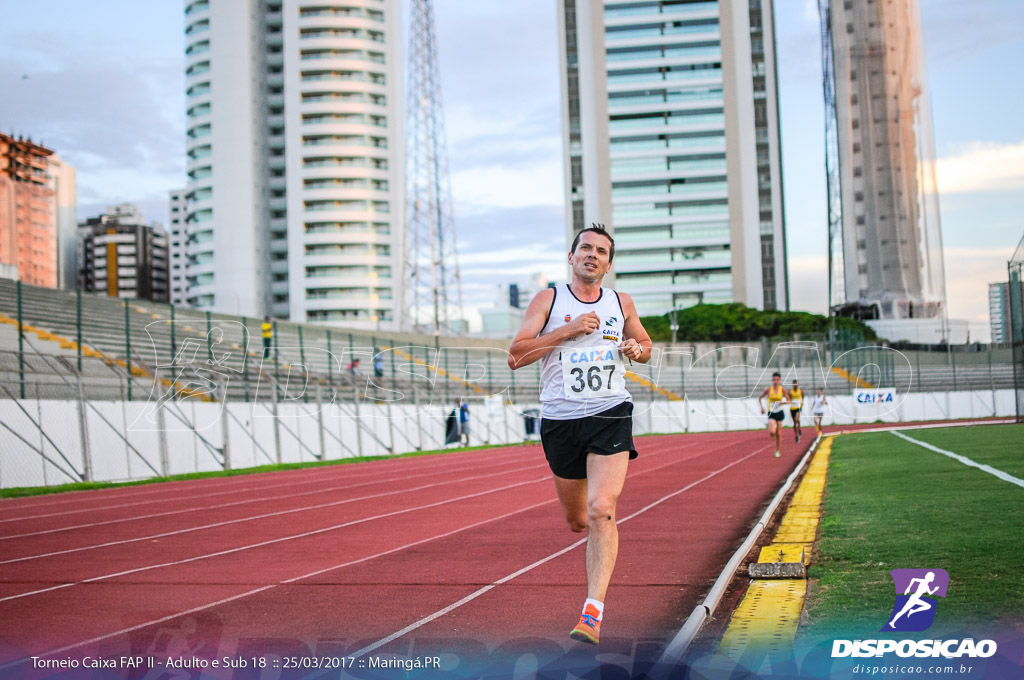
{"x":593,"y":373}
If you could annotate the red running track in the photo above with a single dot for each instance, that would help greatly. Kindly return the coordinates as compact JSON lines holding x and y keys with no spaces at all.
{"x":455,"y":554}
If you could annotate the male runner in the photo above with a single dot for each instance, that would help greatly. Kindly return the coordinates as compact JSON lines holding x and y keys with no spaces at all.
{"x":796,"y":405}
{"x":580,"y":332}
{"x":818,"y":409}
{"x":777,"y":396}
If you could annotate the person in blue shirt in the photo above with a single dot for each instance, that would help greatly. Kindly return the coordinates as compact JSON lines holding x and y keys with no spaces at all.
{"x":464,"y":421}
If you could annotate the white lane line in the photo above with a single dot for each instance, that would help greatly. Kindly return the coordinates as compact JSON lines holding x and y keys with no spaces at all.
{"x":278,"y":513}
{"x":272,"y":541}
{"x":231,"y":484}
{"x":966,"y":461}
{"x":258,"y":499}
{"x":172,"y":499}
{"x":254,"y":591}
{"x":493,"y":472}
{"x":472,"y":596}
{"x":668,"y":449}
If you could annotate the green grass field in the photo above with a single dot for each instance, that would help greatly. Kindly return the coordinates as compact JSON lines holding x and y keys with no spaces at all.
{"x":893,"y":504}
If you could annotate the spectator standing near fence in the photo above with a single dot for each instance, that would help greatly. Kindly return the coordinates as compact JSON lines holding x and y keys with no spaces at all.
{"x":463,"y":421}
{"x":267,"y":329}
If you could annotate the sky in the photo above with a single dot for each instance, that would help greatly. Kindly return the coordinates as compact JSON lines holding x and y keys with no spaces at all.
{"x":103,"y":84}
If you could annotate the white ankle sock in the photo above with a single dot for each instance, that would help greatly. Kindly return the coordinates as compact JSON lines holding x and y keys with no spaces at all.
{"x":597,"y":605}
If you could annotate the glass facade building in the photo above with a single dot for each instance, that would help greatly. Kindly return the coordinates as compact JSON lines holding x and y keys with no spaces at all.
{"x":670,"y":120}
{"x":885,"y":237}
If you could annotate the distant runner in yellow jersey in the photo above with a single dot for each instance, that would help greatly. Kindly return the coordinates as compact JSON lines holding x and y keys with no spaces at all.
{"x":796,"y":396}
{"x":777,"y":398}
{"x":267,"y":330}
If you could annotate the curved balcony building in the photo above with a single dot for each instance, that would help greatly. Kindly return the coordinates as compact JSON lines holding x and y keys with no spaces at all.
{"x":295,"y":174}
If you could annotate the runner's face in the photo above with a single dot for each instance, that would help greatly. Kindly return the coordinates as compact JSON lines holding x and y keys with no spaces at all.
{"x":590,"y":261}
{"x":776,"y":380}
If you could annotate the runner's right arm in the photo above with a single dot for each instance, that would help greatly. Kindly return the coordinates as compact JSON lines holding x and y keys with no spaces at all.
{"x":527,"y":348}
{"x":759,"y":402}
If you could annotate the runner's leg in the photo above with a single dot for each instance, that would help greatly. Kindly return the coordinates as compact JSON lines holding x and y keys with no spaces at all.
{"x":572,"y":494}
{"x":606,"y":476}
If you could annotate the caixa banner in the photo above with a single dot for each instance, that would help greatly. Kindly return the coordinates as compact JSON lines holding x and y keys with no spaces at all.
{"x":876,"y":395}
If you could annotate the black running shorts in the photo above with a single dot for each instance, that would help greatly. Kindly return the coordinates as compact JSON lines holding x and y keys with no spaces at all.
{"x":777,"y":415}
{"x":567,"y":442}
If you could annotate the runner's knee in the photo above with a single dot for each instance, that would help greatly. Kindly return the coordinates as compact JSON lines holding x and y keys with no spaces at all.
{"x":577,"y":525}
{"x":601,"y":509}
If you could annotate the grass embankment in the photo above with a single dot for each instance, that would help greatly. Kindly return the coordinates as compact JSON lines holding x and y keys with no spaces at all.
{"x":892,"y":504}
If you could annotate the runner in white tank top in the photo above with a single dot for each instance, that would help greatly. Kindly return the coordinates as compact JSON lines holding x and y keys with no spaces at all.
{"x":818,"y":409}
{"x":584,"y":335}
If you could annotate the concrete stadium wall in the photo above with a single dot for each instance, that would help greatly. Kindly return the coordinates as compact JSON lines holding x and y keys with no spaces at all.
{"x":125,"y":441}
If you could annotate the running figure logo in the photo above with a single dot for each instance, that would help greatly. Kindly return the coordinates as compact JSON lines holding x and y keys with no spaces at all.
{"x":915,"y":609}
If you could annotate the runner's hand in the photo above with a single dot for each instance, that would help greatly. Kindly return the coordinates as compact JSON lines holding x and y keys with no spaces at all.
{"x":631,"y":349}
{"x":586,"y":324}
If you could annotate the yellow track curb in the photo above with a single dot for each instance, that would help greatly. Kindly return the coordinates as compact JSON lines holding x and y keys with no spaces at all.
{"x":767,"y":618}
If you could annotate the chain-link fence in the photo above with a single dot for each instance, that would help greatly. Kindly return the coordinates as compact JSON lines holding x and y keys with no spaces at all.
{"x":1015,"y":268}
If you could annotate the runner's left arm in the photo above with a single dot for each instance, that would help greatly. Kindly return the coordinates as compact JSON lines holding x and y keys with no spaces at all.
{"x":636,"y":343}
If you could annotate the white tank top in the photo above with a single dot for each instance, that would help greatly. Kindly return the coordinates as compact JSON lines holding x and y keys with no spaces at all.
{"x":585,"y":374}
{"x":819,"y":404}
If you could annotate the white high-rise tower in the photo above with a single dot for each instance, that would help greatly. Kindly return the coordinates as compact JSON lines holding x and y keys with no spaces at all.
{"x":296,"y":181}
{"x":671,"y":135}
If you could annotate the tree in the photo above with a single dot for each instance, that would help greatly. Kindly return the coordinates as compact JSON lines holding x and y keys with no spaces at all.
{"x":736,"y":322}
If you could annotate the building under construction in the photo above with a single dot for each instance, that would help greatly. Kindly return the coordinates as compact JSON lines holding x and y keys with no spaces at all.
{"x":885,"y":242}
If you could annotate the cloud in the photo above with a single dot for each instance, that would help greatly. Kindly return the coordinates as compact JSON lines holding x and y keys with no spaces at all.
{"x":508,"y":160}
{"x":982,"y":166}
{"x":498,"y":186}
{"x":811,"y":11}
{"x":120,"y":122}
{"x":969,"y":270}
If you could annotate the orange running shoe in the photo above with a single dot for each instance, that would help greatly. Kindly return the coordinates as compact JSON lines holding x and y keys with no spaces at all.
{"x":589,"y":627}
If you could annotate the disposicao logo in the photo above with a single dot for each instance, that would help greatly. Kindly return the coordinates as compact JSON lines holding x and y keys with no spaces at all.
{"x":914,"y":611}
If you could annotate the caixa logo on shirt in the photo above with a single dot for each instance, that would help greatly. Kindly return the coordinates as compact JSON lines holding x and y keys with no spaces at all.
{"x":590,"y":356}
{"x":914,"y":611}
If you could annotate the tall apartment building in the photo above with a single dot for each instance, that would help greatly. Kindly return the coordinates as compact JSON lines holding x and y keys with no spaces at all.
{"x":885,"y":236}
{"x":671,"y":139}
{"x":28,"y":211}
{"x":177,"y":248}
{"x":999,"y":312}
{"x":122,"y":256}
{"x":295,"y":187}
{"x":63,"y":182}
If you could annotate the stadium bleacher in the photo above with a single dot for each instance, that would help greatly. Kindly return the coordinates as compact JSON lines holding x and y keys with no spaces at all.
{"x":132,"y":349}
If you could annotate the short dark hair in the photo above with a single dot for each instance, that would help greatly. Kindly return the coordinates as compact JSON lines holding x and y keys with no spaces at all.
{"x":776,"y":374}
{"x":597,"y":229}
